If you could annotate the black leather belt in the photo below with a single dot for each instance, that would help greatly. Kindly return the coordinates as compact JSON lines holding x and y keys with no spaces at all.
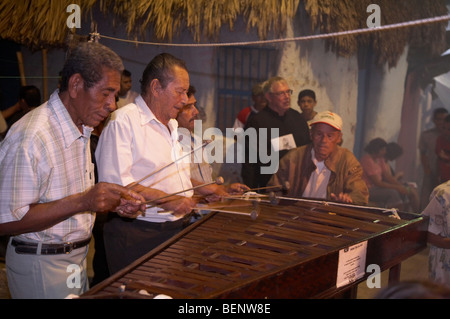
{"x":23,"y":247}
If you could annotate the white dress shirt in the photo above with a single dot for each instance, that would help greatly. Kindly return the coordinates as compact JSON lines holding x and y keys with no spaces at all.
{"x":318,"y":181}
{"x":134,"y":144}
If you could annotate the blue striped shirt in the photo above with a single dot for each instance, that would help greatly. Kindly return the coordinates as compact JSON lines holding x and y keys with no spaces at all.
{"x":45,"y":158}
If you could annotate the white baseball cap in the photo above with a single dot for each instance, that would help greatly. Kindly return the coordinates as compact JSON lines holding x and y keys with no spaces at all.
{"x":329,"y":118}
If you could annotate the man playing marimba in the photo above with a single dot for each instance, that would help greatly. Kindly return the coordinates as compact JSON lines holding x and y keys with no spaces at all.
{"x":47,"y":186}
{"x":142,"y":138}
{"x":323,"y":169}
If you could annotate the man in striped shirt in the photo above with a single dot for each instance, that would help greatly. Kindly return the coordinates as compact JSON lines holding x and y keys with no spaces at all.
{"x":49,"y":198}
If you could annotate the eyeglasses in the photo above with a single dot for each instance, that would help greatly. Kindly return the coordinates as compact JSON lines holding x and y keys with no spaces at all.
{"x":288,"y":92}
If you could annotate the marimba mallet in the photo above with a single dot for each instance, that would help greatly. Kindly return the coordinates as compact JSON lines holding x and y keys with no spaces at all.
{"x":222,"y":209}
{"x":256,"y":196}
{"x":274,"y":199}
{"x":219,"y":181}
{"x":253,"y":214}
{"x":167,"y":165}
{"x":284,"y":187}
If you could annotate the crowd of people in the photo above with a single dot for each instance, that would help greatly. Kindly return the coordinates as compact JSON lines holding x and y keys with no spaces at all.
{"x":78,"y":166}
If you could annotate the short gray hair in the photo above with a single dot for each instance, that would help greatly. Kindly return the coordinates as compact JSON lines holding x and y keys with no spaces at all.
{"x":88,"y":59}
{"x":268,"y":84}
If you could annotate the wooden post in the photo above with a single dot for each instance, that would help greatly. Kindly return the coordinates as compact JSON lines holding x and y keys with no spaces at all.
{"x":23,"y":80}
{"x":44,"y":75}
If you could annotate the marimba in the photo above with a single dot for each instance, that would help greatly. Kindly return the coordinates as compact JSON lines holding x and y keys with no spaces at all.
{"x":288,"y":251}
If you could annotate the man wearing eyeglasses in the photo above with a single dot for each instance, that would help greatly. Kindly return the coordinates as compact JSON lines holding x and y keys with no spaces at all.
{"x":293,"y":131}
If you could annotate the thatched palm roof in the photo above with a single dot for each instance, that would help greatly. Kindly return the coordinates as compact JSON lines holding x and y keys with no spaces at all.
{"x":37,"y":23}
{"x":42,"y":23}
{"x":338,"y":15}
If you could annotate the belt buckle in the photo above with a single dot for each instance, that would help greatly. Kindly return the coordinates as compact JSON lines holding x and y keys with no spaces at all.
{"x":68,"y":247}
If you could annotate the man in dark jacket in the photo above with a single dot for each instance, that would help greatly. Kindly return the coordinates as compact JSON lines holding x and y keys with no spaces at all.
{"x":278,"y":116}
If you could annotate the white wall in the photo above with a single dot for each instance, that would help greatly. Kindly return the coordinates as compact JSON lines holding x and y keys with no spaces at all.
{"x":307,"y":65}
{"x":383,"y":105}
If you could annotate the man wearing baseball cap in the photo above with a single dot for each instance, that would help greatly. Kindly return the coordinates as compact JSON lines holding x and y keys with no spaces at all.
{"x":323,"y":169}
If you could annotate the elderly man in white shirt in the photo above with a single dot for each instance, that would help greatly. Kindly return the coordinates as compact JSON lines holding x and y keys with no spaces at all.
{"x":48,"y":197}
{"x":139,"y":139}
